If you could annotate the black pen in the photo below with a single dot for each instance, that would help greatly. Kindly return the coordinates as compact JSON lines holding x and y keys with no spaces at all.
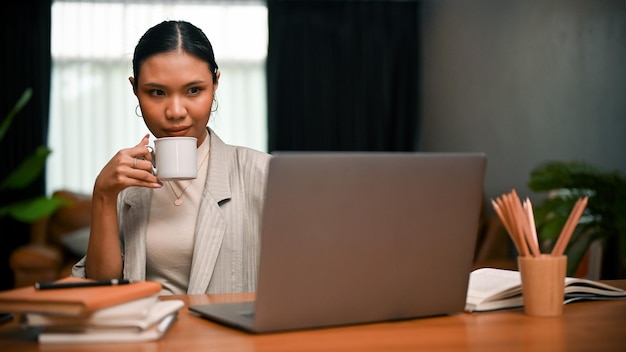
{"x":54,"y":285}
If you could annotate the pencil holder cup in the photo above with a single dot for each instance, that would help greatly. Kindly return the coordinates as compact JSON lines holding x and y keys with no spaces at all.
{"x":543,"y":284}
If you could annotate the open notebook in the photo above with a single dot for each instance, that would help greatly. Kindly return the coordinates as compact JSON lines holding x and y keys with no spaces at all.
{"x":361,"y":237}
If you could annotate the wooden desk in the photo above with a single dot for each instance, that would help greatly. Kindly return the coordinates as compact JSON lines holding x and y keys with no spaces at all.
{"x":584,"y":326}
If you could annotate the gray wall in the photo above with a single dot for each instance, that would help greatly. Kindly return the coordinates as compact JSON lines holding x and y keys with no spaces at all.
{"x":525,"y":82}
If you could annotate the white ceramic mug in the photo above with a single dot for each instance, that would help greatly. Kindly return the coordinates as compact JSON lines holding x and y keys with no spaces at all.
{"x":175,"y":158}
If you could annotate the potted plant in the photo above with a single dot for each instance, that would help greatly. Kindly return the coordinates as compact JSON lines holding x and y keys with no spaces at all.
{"x":31,"y":209}
{"x":604,"y":218}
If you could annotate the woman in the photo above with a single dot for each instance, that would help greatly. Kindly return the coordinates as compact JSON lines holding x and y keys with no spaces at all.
{"x":197,"y":236}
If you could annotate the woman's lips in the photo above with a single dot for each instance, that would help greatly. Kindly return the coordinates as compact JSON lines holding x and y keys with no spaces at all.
{"x":177,"y":132}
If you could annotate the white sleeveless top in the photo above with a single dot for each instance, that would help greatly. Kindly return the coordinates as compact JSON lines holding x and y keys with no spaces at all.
{"x":171,"y":228}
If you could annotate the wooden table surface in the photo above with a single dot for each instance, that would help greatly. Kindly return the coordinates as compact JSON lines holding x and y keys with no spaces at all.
{"x":584,"y":326}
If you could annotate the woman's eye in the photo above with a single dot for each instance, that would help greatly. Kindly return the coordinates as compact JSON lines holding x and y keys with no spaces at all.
{"x":157,"y":92}
{"x":194,"y":90}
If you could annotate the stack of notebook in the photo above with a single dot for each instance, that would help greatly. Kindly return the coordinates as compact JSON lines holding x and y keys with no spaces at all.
{"x":110,"y":313}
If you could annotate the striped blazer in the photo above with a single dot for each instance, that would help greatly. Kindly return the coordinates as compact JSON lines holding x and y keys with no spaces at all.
{"x":226,"y":247}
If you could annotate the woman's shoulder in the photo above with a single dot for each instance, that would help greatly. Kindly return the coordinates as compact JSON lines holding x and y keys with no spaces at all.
{"x":251,"y":160}
{"x":244,"y":160}
{"x":239,"y":153}
{"x":252,"y":154}
{"x":248,"y":166}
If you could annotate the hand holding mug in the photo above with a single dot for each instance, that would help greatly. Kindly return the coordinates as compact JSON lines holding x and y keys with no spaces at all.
{"x":129,"y":167}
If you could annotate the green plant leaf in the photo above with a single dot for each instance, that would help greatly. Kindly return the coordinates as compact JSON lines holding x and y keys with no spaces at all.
{"x":29,"y":210}
{"x":573,"y":176}
{"x":605,"y":214}
{"x":553,"y":208}
{"x":28,"y":171}
{"x":550,"y":229}
{"x":32,"y":209}
{"x":4,"y":127}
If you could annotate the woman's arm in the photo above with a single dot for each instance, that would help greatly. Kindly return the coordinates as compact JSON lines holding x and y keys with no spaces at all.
{"x":129,"y":167}
{"x":104,"y":253}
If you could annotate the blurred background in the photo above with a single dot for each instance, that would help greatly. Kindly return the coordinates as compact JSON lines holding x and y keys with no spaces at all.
{"x":523,"y":81}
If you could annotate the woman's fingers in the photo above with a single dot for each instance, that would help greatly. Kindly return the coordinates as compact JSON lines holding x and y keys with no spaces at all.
{"x":142,"y":150}
{"x":142,"y":163}
{"x":129,"y":167}
{"x":141,"y":156}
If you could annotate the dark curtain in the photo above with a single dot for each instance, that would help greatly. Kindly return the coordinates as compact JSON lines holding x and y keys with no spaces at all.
{"x":343,"y":75}
{"x":26,"y":62}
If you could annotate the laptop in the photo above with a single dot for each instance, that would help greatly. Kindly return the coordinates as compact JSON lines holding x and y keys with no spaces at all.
{"x":361,"y":237}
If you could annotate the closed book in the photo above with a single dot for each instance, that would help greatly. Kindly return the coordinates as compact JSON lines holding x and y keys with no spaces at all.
{"x":106,"y":322}
{"x":113,"y":335}
{"x":75,"y":302}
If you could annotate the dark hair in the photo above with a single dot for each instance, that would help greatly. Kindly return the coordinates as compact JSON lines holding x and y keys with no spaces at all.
{"x":169,"y":36}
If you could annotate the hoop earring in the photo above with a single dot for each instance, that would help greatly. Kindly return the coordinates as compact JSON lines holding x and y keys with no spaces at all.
{"x":215,"y":104}
{"x":137,"y":113}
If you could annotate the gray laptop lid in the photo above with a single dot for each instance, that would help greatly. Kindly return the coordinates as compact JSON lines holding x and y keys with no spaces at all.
{"x":352,"y":238}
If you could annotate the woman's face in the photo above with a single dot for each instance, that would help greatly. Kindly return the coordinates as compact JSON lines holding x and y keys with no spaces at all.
{"x":175,"y":92}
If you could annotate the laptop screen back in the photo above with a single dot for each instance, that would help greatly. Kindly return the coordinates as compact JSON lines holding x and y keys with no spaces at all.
{"x":363,"y":237}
